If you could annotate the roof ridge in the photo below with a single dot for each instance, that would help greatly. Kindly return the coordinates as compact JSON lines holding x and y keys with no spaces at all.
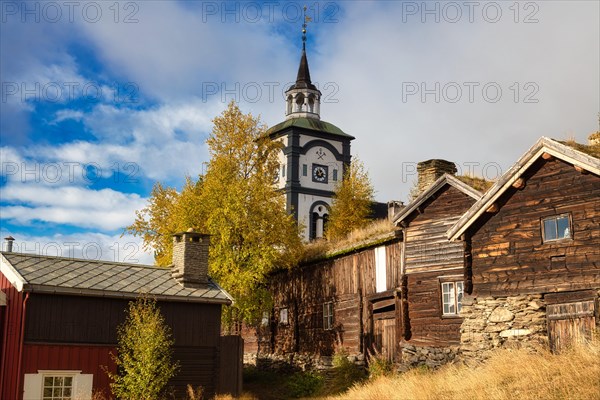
{"x":5,"y":253}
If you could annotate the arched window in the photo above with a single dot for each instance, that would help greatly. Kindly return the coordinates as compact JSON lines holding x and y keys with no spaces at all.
{"x":300,"y":102}
{"x":319,"y":215}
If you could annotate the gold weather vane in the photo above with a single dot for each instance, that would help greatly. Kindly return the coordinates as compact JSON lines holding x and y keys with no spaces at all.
{"x":306,"y":19}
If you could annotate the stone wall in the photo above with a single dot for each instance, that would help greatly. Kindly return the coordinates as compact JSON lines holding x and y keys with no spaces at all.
{"x":433,"y":357}
{"x":297,"y":361}
{"x":491,"y":323}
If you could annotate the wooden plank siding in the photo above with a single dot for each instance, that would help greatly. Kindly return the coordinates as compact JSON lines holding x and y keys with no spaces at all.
{"x":346,"y":281}
{"x":89,"y":359}
{"x":509,"y":256}
{"x":11,"y":340}
{"x":429,"y":257}
{"x":62,"y":331}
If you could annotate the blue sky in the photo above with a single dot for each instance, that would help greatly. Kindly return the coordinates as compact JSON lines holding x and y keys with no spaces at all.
{"x":102,"y":99}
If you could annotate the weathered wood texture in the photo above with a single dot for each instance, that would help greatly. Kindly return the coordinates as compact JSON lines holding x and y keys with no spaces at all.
{"x":231,"y":365}
{"x":508,"y":253}
{"x":345,"y":281}
{"x":429,"y":256}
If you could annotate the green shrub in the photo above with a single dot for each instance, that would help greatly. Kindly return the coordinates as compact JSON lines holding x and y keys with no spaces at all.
{"x":345,"y":372}
{"x":304,"y":384}
{"x":379,"y":365}
{"x":144,"y":354}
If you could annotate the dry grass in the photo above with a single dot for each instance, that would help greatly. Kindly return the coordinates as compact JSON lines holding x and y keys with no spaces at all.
{"x":592,"y":150}
{"x":244,"y":396}
{"x":476,"y":182}
{"x":376,"y":230}
{"x":508,"y":374}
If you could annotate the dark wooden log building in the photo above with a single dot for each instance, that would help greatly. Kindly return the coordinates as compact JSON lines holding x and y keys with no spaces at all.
{"x":523,"y":264}
{"x":60,"y":315}
{"x":532,"y":260}
{"x":432,"y":268}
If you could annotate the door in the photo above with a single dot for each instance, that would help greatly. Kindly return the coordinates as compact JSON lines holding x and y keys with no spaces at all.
{"x":570,"y":323}
{"x":385,"y":337}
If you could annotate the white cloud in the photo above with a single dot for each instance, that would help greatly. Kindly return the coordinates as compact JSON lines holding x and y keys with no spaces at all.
{"x":104,"y":209}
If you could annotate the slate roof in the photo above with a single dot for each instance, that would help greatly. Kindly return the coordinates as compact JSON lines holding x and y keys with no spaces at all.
{"x":543,"y":145}
{"x":303,"y":77}
{"x":61,"y":275}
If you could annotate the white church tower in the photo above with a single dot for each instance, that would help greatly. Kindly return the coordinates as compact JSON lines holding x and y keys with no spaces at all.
{"x":315,"y":153}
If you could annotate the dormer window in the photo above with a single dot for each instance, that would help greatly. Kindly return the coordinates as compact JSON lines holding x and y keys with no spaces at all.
{"x":557,"y":227}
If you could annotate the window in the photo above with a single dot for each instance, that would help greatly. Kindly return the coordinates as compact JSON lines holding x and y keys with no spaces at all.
{"x":452,"y":294}
{"x":283,"y":171}
{"x":57,"y":388}
{"x":57,"y":385}
{"x":304,"y":170}
{"x":335,"y":174}
{"x":557,"y":227}
{"x":328,"y":316}
{"x":283,"y":316}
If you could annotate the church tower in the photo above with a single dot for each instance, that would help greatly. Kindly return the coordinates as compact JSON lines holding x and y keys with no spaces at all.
{"x":314,"y":156}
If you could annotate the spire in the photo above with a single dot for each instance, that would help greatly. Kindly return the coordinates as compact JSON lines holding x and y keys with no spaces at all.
{"x":303,"y":99}
{"x":303,"y":77}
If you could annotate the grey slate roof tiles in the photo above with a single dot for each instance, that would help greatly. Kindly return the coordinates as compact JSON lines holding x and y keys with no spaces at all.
{"x":102,"y":278}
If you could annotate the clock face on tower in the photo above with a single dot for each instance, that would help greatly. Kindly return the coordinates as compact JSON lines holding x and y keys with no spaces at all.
{"x":319,"y":173}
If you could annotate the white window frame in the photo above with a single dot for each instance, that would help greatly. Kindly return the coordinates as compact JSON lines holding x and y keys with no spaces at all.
{"x":284,"y":316}
{"x":328,"y":316}
{"x":33,"y":384}
{"x":452,"y":305}
{"x":380,"y":269}
{"x":554,"y":219}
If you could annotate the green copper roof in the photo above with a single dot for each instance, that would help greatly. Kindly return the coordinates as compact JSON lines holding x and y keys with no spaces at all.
{"x":309,"y":123}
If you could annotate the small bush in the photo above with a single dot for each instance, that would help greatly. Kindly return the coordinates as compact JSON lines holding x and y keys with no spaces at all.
{"x":304,"y":384}
{"x":345,"y":372}
{"x":379,"y":365}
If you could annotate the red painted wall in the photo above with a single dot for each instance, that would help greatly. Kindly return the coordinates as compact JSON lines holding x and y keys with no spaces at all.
{"x":9,"y":360}
{"x":87,"y":358}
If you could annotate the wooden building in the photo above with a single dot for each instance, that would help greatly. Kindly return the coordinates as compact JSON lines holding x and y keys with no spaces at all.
{"x":60,"y":317}
{"x":344,"y":300}
{"x":532,"y":252}
{"x":432,"y":268}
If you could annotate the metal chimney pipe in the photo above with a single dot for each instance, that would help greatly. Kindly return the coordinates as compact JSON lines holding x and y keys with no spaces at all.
{"x":9,"y":243}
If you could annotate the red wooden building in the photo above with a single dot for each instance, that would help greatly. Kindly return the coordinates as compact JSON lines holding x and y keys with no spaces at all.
{"x":59,"y":319}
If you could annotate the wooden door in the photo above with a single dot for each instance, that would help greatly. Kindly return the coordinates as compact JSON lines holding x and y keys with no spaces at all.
{"x":385,"y":337}
{"x":570,"y":323}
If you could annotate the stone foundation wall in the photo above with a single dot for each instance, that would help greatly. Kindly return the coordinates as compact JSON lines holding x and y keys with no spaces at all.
{"x":433,"y":357}
{"x":295,"y":361}
{"x":490,"y":323}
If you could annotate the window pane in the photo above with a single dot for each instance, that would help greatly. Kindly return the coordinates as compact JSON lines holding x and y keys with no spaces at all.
{"x":47,"y":392}
{"x":304,"y":169}
{"x":48,"y":381}
{"x":67,"y":392}
{"x":68,"y":381}
{"x":563,"y":227}
{"x":550,"y":229}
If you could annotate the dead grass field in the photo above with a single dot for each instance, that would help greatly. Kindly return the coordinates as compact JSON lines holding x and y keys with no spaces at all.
{"x":508,"y":374}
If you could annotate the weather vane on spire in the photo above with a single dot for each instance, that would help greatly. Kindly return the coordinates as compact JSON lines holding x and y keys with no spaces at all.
{"x":306,"y":19}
